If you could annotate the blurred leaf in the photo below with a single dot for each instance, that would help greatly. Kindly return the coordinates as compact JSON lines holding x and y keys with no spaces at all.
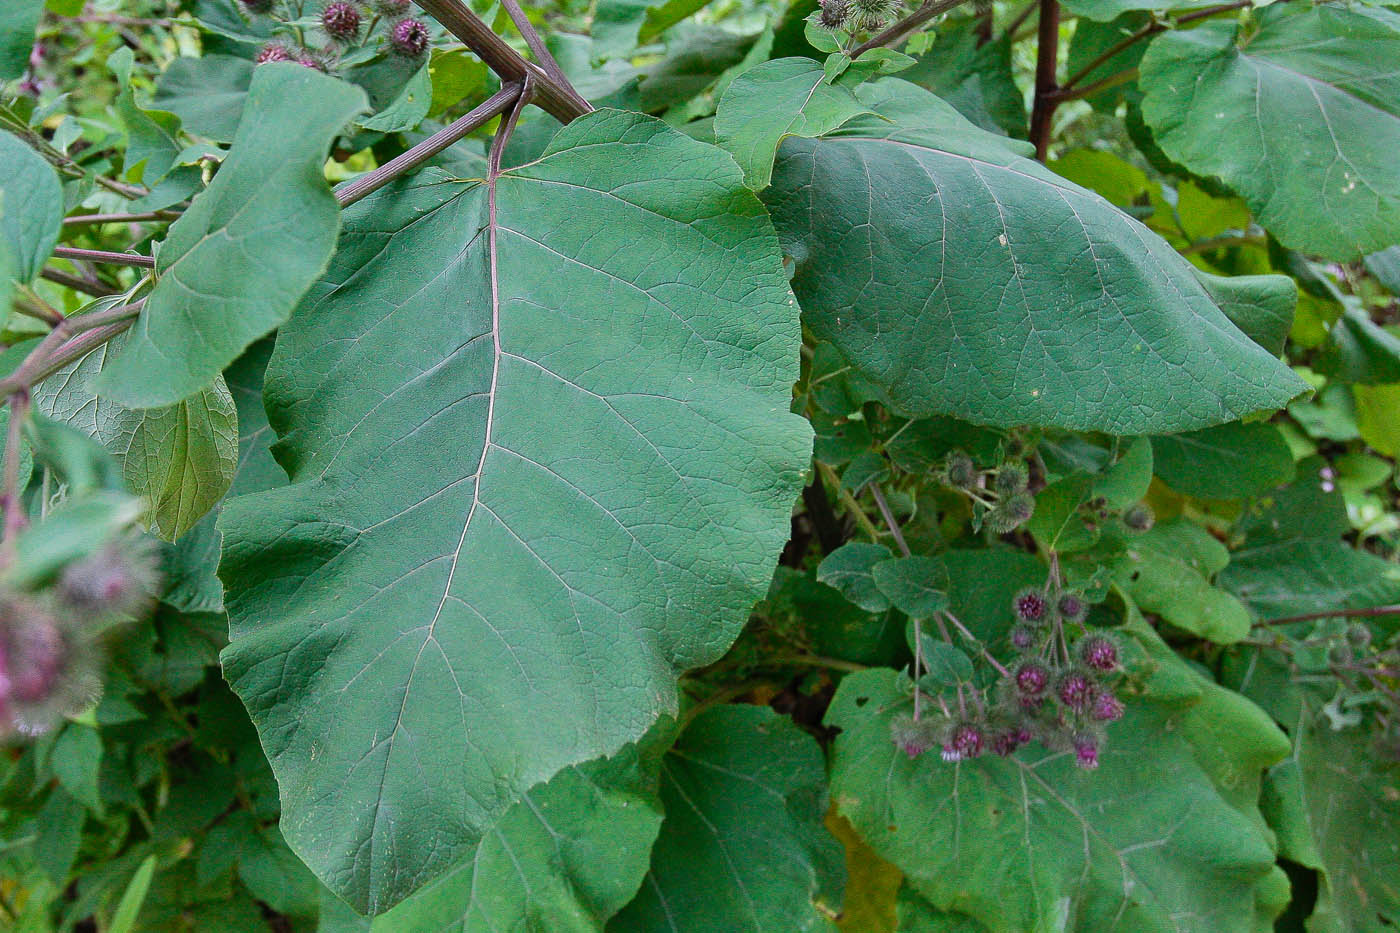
{"x":851,"y":569}
{"x":916,"y":586}
{"x":18,"y":21}
{"x":124,"y":920}
{"x":743,"y":847}
{"x":1227,"y":462}
{"x":31,"y":207}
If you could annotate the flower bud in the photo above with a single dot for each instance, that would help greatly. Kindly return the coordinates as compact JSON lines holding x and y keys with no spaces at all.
{"x":958,"y":469}
{"x":1031,"y":679}
{"x":1358,"y":636}
{"x":1011,"y":478}
{"x":1071,"y":606}
{"x":1086,"y":751}
{"x":834,"y":15}
{"x":1030,"y":606}
{"x":409,"y":38}
{"x":1076,"y":691}
{"x":1022,"y":638}
{"x":119,"y":580}
{"x":913,"y":737}
{"x":273,"y":52}
{"x":1011,"y":513}
{"x":1007,"y":741}
{"x":965,"y":741}
{"x":340,"y":20}
{"x":1107,"y":707}
{"x":1098,"y":652}
{"x":1139,"y":517}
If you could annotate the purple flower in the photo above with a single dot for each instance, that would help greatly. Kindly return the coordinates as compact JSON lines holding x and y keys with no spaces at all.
{"x":1107,"y":707}
{"x":1030,"y":605}
{"x":1077,"y":691}
{"x":1098,"y":652}
{"x":409,"y":38}
{"x":1086,"y":752}
{"x":340,"y":20}
{"x":964,"y":742}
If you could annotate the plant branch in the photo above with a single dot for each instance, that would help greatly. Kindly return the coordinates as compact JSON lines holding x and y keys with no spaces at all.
{"x":1367,"y":613}
{"x":1151,"y":29}
{"x":1047,"y":59}
{"x":1021,"y":17}
{"x":120,"y":218}
{"x":1066,"y":93}
{"x":900,"y":30}
{"x":14,"y":513}
{"x":68,"y":341}
{"x":543,"y":57}
{"x":852,"y":506}
{"x":479,"y":116}
{"x":889,"y":518}
{"x":561,"y":101}
{"x":77,"y":284}
{"x":100,"y":255}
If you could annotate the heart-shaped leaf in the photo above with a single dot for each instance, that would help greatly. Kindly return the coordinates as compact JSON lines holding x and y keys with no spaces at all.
{"x":542,"y":460}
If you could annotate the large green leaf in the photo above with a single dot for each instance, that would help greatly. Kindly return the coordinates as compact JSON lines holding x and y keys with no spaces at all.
{"x":542,"y":459}
{"x":1167,"y":571}
{"x":1301,"y":116}
{"x":18,"y":20}
{"x":1260,"y":305}
{"x":236,"y":262}
{"x":31,"y":208}
{"x":179,"y":459}
{"x":742,"y":848}
{"x":567,"y":856}
{"x":1145,"y":843}
{"x":967,"y":280}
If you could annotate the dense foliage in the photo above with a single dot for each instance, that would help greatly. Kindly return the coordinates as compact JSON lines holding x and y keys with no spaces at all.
{"x":704,"y":466}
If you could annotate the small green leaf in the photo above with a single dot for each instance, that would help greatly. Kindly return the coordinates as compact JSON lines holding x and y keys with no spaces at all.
{"x":1167,"y":571}
{"x":238,"y":260}
{"x":1057,"y":524}
{"x":408,"y":109}
{"x":1360,"y":352}
{"x":31,"y":207}
{"x":947,"y":665}
{"x":1260,"y":305}
{"x":1226,"y":462}
{"x":124,"y":919}
{"x":780,"y":98}
{"x":917,"y":586}
{"x":76,"y":760}
{"x":1126,"y":480}
{"x":850,"y":569}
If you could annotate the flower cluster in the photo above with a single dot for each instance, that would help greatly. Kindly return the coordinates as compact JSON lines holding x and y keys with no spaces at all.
{"x":1058,"y":692}
{"x":50,"y":652}
{"x":869,"y":15}
{"x":1001,"y":497}
{"x":346,"y":25}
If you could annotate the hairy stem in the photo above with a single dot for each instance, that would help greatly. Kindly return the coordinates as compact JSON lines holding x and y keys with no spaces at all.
{"x":14,"y":511}
{"x":488,"y":110}
{"x":543,"y":57}
{"x":1367,"y":613}
{"x":70,"y":340}
{"x":561,"y":101}
{"x":889,"y":518}
{"x":78,"y":285}
{"x":120,"y":218}
{"x":100,"y":255}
